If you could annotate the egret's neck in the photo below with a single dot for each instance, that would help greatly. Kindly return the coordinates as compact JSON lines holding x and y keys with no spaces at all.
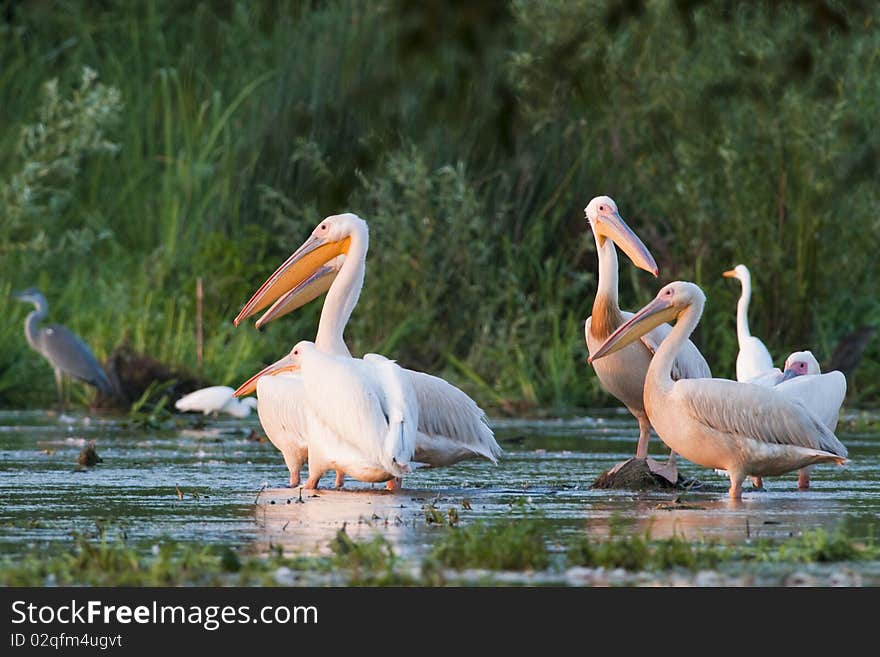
{"x":742,"y":312}
{"x":31,"y":324}
{"x":342,"y":297}
{"x":659,"y":375}
{"x":606,"y":316}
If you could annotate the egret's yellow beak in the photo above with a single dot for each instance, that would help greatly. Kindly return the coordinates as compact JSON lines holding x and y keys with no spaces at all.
{"x":285,"y":364}
{"x":299,"y":267}
{"x":658,"y":312}
{"x":311,"y":288}
{"x":612,"y":226}
{"x":730,"y":273}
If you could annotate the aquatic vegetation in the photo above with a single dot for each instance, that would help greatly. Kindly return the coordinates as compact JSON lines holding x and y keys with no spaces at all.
{"x":510,"y":544}
{"x":367,"y":563}
{"x":97,"y":559}
{"x":640,"y":552}
{"x":818,"y":546}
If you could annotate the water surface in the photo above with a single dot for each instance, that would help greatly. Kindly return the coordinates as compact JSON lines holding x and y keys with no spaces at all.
{"x":215,"y":485}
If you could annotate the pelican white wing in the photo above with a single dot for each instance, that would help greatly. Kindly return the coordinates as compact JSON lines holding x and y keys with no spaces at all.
{"x":353,"y":399}
{"x":748,"y":412}
{"x":767,"y":379}
{"x":453,"y":427}
{"x":400,"y":406}
{"x":822,"y":394}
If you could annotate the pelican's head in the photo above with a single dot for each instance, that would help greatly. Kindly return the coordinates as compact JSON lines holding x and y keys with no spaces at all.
{"x":740,"y":272}
{"x":309,"y":272}
{"x":292,"y":362}
{"x":606,"y":222}
{"x":671,"y":301}
{"x":800,"y":363}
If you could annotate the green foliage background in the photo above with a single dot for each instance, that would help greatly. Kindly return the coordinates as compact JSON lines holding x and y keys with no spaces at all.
{"x":148,"y":143}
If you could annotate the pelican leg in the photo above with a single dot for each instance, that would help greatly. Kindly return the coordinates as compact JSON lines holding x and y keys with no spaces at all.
{"x":312,"y":481}
{"x":668,"y":470}
{"x":340,"y":478}
{"x":758,"y":482}
{"x":294,"y":465}
{"x":316,"y":471}
{"x":804,"y":478}
{"x":394,"y":484}
{"x":644,"y":436}
{"x":736,"y":481}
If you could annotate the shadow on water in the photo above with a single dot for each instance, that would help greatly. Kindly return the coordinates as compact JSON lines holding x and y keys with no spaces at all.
{"x":215,"y":485}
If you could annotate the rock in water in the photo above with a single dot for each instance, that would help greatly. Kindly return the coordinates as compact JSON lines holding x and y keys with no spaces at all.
{"x":88,"y":456}
{"x":634,"y":474}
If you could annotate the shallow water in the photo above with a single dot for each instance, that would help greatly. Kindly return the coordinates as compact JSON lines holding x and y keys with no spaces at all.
{"x":214,"y":485}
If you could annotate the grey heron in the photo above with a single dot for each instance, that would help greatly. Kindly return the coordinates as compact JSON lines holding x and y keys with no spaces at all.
{"x":64,"y":350}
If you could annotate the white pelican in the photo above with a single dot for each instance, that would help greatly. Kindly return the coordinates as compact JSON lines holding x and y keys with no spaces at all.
{"x":360,"y":416}
{"x":623,"y":374}
{"x":753,"y":359}
{"x":716,"y":423}
{"x":451,"y":425}
{"x":215,"y":400}
{"x":802,"y":381}
{"x":822,"y":394}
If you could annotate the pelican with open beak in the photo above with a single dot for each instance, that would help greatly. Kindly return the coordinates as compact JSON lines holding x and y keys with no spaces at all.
{"x":623,"y":374}
{"x":451,"y":427}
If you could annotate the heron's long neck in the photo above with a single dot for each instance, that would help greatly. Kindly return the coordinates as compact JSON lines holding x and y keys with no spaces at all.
{"x":342,"y":297}
{"x":31,"y":324}
{"x":660,"y":370}
{"x":606,"y":311}
{"x":742,"y":312}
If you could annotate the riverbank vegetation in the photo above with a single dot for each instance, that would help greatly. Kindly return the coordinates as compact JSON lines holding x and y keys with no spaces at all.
{"x":150,"y":144}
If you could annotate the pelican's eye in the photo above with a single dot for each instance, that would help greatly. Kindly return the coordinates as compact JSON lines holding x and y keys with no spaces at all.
{"x":323,"y":226}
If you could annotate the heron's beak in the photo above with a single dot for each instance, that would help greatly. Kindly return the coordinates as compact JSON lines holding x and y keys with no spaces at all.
{"x":647,"y":319}
{"x":304,"y":262}
{"x":730,"y":273}
{"x":311,"y":288}
{"x":787,"y":374}
{"x":285,"y":364}
{"x":614,"y":227}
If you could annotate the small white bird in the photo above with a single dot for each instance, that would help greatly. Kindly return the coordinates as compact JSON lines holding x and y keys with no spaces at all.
{"x":753,"y":359}
{"x":214,"y":400}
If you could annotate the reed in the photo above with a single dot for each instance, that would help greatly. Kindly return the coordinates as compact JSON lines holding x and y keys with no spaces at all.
{"x":206,"y":141}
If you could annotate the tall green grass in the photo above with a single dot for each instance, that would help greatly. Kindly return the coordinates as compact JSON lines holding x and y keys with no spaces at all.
{"x":215,"y":136}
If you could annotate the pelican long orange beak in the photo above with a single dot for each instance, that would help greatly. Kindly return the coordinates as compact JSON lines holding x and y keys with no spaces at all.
{"x":730,"y":273}
{"x":298,"y":268}
{"x":612,"y":226}
{"x":280,"y":366}
{"x":657,"y":312}
{"x":307,"y":290}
